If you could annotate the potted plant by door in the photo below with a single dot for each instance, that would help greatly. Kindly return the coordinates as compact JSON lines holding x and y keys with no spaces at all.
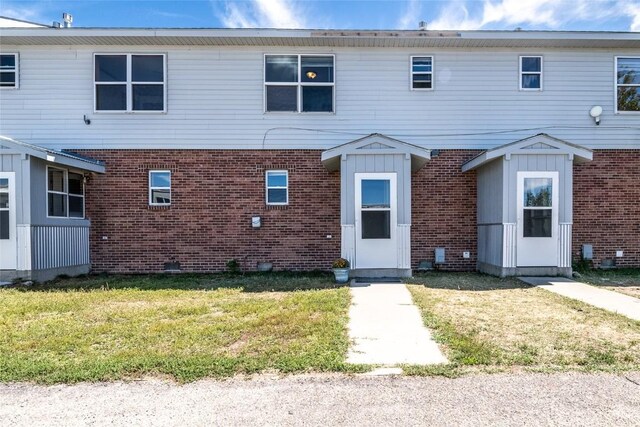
{"x":341,"y":270}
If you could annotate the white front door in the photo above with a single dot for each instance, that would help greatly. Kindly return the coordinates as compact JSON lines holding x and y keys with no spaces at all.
{"x":376,"y":220}
{"x":537,"y":227}
{"x":8,"y":230}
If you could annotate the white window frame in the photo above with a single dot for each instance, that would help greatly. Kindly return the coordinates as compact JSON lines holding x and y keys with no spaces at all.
{"x":267,"y":187}
{"x":15,"y":70}
{"x":129,"y":83}
{"x":412,"y":73}
{"x":299,"y":84}
{"x":616,"y":85}
{"x":66,"y":193}
{"x":152,"y":171}
{"x":521,"y":73}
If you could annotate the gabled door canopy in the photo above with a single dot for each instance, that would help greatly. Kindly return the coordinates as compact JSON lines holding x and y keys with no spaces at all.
{"x":537,"y":144}
{"x":375,"y":144}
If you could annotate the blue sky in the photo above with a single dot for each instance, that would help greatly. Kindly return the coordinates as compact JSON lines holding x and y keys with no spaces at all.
{"x":610,"y":15}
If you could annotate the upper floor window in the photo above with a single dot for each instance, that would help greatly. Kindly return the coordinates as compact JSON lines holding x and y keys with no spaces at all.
{"x":160,"y":188}
{"x":628,"y":84}
{"x":65,"y":193}
{"x":130,"y":82}
{"x":277,"y":187}
{"x":9,"y":70}
{"x":531,"y":73}
{"x":299,"y":83}
{"x":421,"y":72}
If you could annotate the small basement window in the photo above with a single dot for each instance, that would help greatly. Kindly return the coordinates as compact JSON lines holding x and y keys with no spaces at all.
{"x":65,"y":193}
{"x":628,"y":84}
{"x":277,"y":192}
{"x":160,"y":188}
{"x":8,"y":71}
{"x":531,"y":73}
{"x":421,"y":72}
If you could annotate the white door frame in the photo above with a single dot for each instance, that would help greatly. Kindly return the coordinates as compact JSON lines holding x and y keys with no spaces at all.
{"x":376,"y":253}
{"x":537,"y":251}
{"x":9,"y":247}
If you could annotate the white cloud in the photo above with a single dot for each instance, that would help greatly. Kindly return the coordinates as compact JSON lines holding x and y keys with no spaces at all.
{"x":264,"y":13}
{"x":31,"y":13}
{"x":410,"y":18}
{"x":552,"y":14}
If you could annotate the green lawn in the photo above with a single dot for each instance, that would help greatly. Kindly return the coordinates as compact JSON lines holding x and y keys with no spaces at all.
{"x":183,"y":326}
{"x":626,"y":281}
{"x":489,"y":324}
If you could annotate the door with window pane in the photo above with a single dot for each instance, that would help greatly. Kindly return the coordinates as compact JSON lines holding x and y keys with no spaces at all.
{"x":537,"y":243}
{"x":376,"y":223}
{"x":8,"y":230}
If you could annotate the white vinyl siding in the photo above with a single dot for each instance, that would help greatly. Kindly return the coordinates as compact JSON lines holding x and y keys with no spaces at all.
{"x":421,"y":72}
{"x":9,"y":70}
{"x":277,"y":187}
{"x":299,"y":83}
{"x":123,"y":83}
{"x":160,"y":188}
{"x":627,"y":87}
{"x":530,"y":73}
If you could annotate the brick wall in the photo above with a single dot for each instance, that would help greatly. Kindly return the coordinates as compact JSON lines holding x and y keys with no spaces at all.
{"x":443,"y":211}
{"x":606,"y":206}
{"x":214,"y":195}
{"x":216,"y":192}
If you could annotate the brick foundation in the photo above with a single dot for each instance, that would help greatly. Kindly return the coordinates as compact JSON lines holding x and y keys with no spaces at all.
{"x":216,"y":192}
{"x":606,"y":206}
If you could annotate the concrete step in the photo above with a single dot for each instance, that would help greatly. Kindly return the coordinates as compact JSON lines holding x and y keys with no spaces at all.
{"x":379,"y":273}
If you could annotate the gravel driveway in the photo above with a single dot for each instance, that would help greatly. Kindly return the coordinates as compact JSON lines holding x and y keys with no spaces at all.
{"x":523,"y":399}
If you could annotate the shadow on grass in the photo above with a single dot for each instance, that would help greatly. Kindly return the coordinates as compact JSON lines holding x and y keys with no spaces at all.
{"x":465,"y":281}
{"x":282,"y":281}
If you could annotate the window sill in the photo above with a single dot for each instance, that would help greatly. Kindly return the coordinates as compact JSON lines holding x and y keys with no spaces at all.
{"x":277,"y":207}
{"x":158,"y":207}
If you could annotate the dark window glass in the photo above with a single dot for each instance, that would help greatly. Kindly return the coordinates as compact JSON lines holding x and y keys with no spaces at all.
{"x":76,"y":207}
{"x":161,"y":179}
{"x":111,"y":68}
{"x":7,"y":61}
{"x":111,"y":97}
{"x":422,"y":81}
{"x":531,"y":64}
{"x":628,"y":98}
{"x":282,"y":98}
{"x":317,"y":69}
{"x":161,"y":196}
{"x":277,"y":195}
{"x":8,"y":79}
{"x":531,"y":81}
{"x":57,"y":205}
{"x":317,"y":98}
{"x":421,"y":65}
{"x":376,"y":193}
{"x":537,"y":223}
{"x":76,"y":183}
{"x":147,"y":68}
{"x":56,"y":180}
{"x":4,"y":200}
{"x":4,"y":225}
{"x":4,"y":183}
{"x":376,"y":224}
{"x":148,"y":97}
{"x":628,"y":71}
{"x":281,"y":68}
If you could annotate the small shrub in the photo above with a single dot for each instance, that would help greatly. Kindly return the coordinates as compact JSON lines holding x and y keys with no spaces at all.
{"x":233,"y":266}
{"x":340,"y":263}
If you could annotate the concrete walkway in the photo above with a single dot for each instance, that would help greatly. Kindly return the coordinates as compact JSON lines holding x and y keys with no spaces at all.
{"x":602,"y":298}
{"x":387,"y":329}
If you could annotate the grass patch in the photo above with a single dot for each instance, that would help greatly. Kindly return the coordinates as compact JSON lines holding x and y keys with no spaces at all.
{"x":487,"y":324}
{"x":626,"y":281}
{"x":185,"y":326}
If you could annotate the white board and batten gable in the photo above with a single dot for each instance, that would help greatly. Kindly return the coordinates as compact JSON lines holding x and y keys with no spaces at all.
{"x":375,"y":144}
{"x":537,"y":144}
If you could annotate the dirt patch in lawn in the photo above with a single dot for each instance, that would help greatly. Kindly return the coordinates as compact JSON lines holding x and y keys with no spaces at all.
{"x":625,"y":281}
